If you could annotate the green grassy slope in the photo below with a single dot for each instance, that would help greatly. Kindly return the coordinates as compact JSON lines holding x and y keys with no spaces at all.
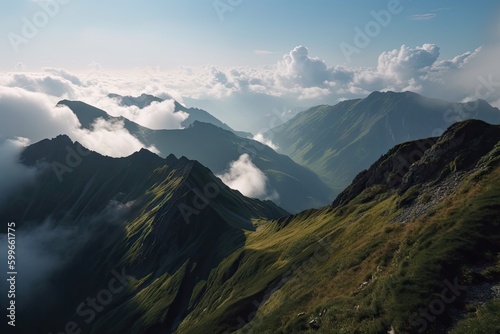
{"x":379,"y":260}
{"x":337,"y":142}
{"x":411,"y":250}
{"x":166,"y":222}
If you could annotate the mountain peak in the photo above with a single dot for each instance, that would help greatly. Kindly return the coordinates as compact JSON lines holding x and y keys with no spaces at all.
{"x":391,"y":94}
{"x":205,"y":125}
{"x":142,"y":101}
{"x":145,"y":155}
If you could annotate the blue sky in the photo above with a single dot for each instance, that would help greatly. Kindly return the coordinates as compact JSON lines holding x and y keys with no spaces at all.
{"x":124,"y":34}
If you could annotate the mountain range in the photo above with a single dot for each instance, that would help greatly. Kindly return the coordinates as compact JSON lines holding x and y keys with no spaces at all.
{"x":194,"y":114}
{"x":339,"y":141}
{"x":298,"y":187}
{"x":164,"y":220}
{"x":387,"y":221}
{"x":402,"y":249}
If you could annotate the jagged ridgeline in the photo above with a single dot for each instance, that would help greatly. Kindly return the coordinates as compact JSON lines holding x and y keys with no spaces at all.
{"x":412,"y":245}
{"x":216,"y":147}
{"x":167,"y":223}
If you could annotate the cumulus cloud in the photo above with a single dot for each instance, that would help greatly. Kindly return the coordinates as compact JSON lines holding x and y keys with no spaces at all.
{"x":298,"y":67}
{"x":61,"y":84}
{"x":299,"y":76}
{"x":456,"y":62}
{"x":12,"y":173}
{"x":244,"y":176}
{"x":20,"y":66}
{"x":313,"y":93}
{"x":406,"y":63}
{"x":299,"y":79}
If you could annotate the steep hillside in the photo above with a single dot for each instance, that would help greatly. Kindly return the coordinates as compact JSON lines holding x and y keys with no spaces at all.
{"x":166,"y":223}
{"x":337,"y":142}
{"x":407,"y":248}
{"x":298,"y":187}
{"x":407,"y":251}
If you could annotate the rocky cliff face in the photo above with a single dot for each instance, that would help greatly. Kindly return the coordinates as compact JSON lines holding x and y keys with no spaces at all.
{"x":460,"y":148}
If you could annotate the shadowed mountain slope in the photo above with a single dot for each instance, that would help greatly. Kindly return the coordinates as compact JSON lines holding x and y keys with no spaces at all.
{"x":337,"y":142}
{"x":411,"y":246}
{"x":298,"y":187}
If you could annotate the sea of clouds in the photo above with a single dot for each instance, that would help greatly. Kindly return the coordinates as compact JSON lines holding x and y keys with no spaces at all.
{"x":237,"y":95}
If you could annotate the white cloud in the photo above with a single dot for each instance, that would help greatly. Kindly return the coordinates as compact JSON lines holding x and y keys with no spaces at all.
{"x":48,"y":84}
{"x":12,"y":173}
{"x":406,"y":63}
{"x":20,"y":66}
{"x":313,"y":93}
{"x":64,"y":74}
{"x":264,"y":52}
{"x":34,"y":116}
{"x":423,"y":17}
{"x":161,"y":116}
{"x":109,"y":138}
{"x":260,"y":138}
{"x":156,"y":116}
{"x":244,"y":176}
{"x":298,"y":67}
{"x":299,"y":79}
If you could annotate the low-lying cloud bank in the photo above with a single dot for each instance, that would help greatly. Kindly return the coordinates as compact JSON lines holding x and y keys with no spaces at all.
{"x":13,"y":174}
{"x":48,"y":246}
{"x":297,"y":79}
{"x":35,"y":116}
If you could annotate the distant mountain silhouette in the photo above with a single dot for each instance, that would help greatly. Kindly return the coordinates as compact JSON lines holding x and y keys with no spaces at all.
{"x":195,"y":114}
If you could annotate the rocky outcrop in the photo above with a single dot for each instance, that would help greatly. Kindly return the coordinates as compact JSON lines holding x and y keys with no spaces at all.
{"x":460,"y":148}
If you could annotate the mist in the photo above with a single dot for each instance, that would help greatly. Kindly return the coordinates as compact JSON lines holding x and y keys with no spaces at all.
{"x":247,"y":178}
{"x":13,"y":174}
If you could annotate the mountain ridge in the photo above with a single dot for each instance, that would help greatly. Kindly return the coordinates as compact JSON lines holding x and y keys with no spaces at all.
{"x":369,"y":262}
{"x":339,"y":141}
{"x":195,"y":114}
{"x":299,"y":188}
